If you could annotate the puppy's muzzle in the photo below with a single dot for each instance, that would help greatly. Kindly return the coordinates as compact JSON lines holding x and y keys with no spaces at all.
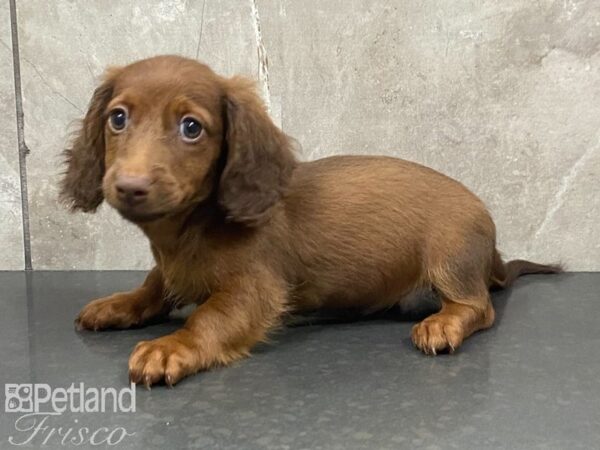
{"x":132,"y":190}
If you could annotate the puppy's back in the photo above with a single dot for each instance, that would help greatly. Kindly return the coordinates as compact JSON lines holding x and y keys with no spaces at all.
{"x":362,"y":224}
{"x":373,"y":188}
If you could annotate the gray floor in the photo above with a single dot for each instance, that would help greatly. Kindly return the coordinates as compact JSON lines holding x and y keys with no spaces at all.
{"x":533,"y":381}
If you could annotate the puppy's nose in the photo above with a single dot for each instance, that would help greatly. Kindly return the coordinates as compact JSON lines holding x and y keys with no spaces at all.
{"x":132,"y":190}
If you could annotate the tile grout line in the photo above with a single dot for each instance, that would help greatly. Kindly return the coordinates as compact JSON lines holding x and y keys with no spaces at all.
{"x":201,"y":29}
{"x":23,"y":150}
{"x":263,"y":61}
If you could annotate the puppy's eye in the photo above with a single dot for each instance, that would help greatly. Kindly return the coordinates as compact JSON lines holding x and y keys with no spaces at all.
{"x":190,"y":129}
{"x":118,"y":119}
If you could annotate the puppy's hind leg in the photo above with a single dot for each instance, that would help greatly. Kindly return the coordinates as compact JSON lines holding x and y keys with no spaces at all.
{"x":466,"y":306}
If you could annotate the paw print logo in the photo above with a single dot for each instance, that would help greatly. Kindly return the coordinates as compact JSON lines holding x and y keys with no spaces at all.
{"x":18,"y":397}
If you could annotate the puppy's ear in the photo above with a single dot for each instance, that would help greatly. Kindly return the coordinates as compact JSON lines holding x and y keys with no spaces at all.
{"x":81,"y":186}
{"x":259,"y":158}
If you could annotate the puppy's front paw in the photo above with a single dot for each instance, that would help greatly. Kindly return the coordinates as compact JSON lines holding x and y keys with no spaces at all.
{"x":115,"y":311}
{"x":437,"y":333}
{"x":169,"y":359}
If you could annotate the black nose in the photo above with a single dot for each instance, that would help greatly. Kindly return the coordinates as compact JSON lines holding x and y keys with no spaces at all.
{"x":132,"y":190}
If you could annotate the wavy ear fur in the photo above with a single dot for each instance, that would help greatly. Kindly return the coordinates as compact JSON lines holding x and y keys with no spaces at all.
{"x":259,"y":158}
{"x":81,"y":186}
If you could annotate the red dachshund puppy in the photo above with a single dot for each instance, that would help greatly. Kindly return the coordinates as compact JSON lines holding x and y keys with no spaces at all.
{"x":242,"y":229}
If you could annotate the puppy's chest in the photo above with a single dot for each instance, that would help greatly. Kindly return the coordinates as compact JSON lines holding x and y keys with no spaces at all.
{"x":186,"y":279}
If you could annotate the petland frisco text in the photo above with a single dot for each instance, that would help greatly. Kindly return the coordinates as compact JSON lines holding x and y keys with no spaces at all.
{"x":41,"y":405}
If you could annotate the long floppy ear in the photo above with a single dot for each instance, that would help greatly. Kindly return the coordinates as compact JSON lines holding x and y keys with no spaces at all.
{"x":81,"y":186}
{"x":259,"y":156}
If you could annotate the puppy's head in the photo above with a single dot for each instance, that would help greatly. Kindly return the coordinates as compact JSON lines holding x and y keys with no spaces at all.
{"x":165,"y":134}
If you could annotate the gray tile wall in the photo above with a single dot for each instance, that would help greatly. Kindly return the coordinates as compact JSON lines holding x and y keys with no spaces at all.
{"x":11,"y":225}
{"x":504,"y":96}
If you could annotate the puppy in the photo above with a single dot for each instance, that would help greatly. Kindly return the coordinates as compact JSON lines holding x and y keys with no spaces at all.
{"x":242,"y":229}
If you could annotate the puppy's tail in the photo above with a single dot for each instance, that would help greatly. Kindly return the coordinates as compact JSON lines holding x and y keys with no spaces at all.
{"x":504,"y":274}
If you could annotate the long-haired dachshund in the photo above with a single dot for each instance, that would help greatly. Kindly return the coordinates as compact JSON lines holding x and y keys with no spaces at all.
{"x":242,"y":229}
